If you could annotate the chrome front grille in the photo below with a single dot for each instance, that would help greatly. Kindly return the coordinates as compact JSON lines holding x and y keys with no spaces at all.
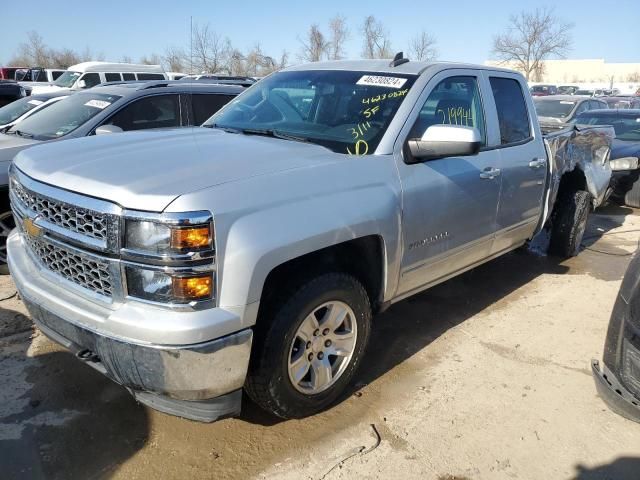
{"x":84,"y":270}
{"x":69,"y":217}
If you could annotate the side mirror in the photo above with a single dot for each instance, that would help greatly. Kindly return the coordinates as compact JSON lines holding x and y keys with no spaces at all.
{"x":103,"y":129}
{"x":82,"y":84}
{"x":441,"y":141}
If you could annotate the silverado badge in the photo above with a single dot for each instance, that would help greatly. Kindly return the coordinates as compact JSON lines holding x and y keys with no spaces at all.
{"x":31,"y":228}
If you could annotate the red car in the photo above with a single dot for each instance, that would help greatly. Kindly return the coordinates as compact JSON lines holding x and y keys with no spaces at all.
{"x":543,"y":90}
{"x":9,"y":73}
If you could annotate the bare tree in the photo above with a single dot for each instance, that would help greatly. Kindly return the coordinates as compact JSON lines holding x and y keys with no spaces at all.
{"x":209,"y":50}
{"x":126,"y":59}
{"x":531,"y":38}
{"x":284,"y":60}
{"x":314,"y":46}
{"x":174,"y":59}
{"x":87,"y":55}
{"x":64,"y":58}
{"x":633,"y":77}
{"x":153,"y":59}
{"x":33,"y":52}
{"x":339,"y":32}
{"x":376,"y":39}
{"x":423,"y":47}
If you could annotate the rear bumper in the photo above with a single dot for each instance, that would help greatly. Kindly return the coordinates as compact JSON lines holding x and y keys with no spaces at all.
{"x":614,"y":393}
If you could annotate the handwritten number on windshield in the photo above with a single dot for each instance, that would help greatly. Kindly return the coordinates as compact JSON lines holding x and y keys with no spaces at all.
{"x":360,"y":148}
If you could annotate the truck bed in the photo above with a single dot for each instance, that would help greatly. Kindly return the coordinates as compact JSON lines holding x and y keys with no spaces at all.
{"x":583,"y":148}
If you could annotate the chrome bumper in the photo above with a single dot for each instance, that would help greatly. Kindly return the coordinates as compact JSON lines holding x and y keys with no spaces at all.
{"x":158,"y":374}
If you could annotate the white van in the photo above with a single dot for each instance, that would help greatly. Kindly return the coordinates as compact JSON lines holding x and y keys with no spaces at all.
{"x":90,"y":74}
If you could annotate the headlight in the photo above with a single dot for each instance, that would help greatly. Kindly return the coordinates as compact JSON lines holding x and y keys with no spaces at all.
{"x":158,"y":286}
{"x":160,"y":238}
{"x":169,"y":258}
{"x":626,"y":163}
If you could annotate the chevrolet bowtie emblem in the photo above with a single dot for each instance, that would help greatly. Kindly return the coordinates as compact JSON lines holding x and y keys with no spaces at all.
{"x":31,"y":228}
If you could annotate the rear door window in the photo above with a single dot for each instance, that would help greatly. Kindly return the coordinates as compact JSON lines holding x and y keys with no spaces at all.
{"x":205,"y":105}
{"x":513,"y":118}
{"x":150,"y":76}
{"x":158,"y":111}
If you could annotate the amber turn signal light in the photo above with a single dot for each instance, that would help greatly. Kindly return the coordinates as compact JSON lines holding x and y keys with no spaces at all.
{"x":191,"y":237}
{"x":192,"y":288}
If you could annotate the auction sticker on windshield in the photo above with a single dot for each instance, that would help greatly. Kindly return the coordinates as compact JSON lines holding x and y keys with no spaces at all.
{"x":35,"y":102}
{"x":378,"y":81}
{"x":101,"y":104}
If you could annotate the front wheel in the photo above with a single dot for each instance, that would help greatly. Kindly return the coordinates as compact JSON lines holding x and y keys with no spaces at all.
{"x":569,"y":223}
{"x":308,"y":349}
{"x":7,"y":224}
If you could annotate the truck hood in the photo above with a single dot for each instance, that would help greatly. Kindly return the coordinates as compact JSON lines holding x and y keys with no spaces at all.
{"x":148,"y":170}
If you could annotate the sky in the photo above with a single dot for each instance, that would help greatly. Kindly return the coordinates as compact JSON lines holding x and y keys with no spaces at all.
{"x":463,"y":29}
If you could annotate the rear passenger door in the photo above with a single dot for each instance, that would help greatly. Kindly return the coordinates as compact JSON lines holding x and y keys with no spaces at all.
{"x":204,"y":105}
{"x":523,"y":161}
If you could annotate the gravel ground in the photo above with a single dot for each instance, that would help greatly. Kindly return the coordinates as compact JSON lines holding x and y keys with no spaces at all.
{"x":483,"y":377}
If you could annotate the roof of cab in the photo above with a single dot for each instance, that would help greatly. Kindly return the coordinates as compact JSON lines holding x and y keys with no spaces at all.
{"x":115,"y":67}
{"x":384,"y":66}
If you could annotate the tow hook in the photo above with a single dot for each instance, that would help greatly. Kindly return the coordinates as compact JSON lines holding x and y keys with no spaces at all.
{"x":87,"y":355}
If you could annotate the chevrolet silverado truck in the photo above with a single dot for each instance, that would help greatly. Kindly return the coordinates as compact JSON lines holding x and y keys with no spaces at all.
{"x":251,"y":253}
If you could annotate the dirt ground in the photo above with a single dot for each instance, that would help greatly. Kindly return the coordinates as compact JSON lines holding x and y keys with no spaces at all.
{"x":484,"y":377}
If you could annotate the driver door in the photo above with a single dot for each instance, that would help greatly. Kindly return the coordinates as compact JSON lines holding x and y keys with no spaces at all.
{"x":449,"y":204}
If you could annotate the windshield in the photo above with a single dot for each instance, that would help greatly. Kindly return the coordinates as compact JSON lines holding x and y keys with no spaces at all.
{"x":345,"y":111}
{"x":64,"y":116}
{"x":627,"y":127}
{"x":554,"y":108}
{"x":67,"y":79}
{"x":15,"y":110}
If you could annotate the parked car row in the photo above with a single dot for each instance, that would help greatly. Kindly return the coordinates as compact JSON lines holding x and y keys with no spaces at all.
{"x":541,"y":90}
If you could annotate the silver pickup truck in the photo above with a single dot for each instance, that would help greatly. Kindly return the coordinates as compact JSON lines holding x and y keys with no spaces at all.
{"x":251,"y":253}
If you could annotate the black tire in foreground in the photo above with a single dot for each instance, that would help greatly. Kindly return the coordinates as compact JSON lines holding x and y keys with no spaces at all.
{"x":308,"y":347}
{"x":632,"y":196}
{"x":7,"y":224}
{"x":569,"y":223}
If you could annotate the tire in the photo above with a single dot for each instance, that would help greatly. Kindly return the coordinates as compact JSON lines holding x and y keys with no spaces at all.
{"x":632,"y":196}
{"x":7,"y":223}
{"x":569,"y":223}
{"x":280,"y":349}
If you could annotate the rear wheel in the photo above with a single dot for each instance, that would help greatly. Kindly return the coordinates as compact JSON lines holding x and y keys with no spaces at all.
{"x":7,"y":224}
{"x":308,"y":348}
{"x":569,"y":223}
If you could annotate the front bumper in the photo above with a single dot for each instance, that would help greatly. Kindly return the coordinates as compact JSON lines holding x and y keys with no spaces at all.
{"x":614,"y":393}
{"x":202,"y":381}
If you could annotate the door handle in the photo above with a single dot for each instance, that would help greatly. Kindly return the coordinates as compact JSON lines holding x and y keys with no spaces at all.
{"x":537,"y":163}
{"x":490,"y":173}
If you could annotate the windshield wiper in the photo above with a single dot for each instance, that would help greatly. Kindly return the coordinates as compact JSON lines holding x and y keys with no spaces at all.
{"x":20,"y":133}
{"x":274,"y":134}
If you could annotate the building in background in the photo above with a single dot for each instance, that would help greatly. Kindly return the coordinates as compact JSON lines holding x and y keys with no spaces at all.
{"x":588,"y":71}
